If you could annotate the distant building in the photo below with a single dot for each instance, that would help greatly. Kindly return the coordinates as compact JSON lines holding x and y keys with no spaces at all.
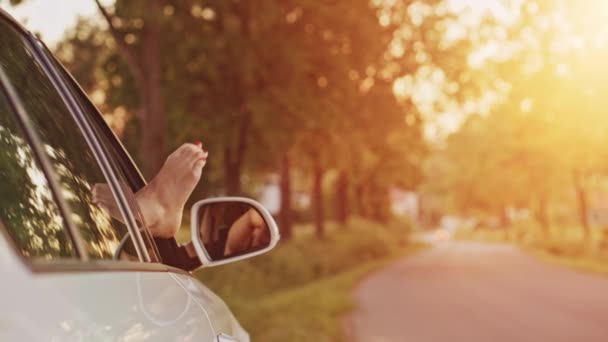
{"x":270,"y":197}
{"x":404,"y":203}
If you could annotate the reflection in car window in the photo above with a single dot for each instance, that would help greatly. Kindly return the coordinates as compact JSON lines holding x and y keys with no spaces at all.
{"x":65,"y":145}
{"x":27,"y":208}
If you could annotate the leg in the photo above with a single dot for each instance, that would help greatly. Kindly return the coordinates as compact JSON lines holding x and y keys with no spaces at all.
{"x":162,"y":201}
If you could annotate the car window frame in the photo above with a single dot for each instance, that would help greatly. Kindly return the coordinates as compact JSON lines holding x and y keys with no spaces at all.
{"x":93,"y":117}
{"x":169,"y":252}
{"x":82,"y":262}
{"x":94,"y":144}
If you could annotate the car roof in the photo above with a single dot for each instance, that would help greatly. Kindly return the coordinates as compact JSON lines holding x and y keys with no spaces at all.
{"x":4,"y":15}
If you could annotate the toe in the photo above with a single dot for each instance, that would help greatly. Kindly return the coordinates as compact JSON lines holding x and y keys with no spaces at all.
{"x":200,"y":154}
{"x":192,"y":154}
{"x":197,"y":169}
{"x":194,"y":149}
{"x":180,"y":151}
{"x":189,"y":153}
{"x":200,"y":163}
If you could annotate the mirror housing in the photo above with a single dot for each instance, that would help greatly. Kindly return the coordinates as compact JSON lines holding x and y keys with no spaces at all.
{"x":228,"y":229}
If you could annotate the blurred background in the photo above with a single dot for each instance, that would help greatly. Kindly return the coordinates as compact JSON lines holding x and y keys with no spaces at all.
{"x":357,"y":123}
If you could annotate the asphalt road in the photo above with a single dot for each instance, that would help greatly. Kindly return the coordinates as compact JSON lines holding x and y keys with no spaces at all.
{"x":471,"y":292}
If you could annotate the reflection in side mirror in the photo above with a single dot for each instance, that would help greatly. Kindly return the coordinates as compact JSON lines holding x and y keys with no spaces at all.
{"x":231,"y":228}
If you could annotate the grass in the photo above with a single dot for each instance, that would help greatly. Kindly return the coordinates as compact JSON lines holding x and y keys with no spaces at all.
{"x":584,"y":263}
{"x":307,"y":313}
{"x":300,"y":291}
{"x":565,"y":247}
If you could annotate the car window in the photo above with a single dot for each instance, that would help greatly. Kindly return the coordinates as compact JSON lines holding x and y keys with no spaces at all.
{"x":109,"y":145}
{"x":74,"y":163}
{"x":27,"y":208}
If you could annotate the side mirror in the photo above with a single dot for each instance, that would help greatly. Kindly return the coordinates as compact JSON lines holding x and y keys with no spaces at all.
{"x":228,"y":229}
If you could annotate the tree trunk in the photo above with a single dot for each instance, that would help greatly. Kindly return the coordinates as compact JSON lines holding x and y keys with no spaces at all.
{"x":232,"y":173}
{"x":386,"y":204}
{"x":503,"y":215}
{"x":359,"y":200}
{"x":379,"y":203}
{"x":543,"y":215}
{"x":317,"y":198}
{"x":583,"y":205}
{"x":234,"y":158}
{"x":153,"y":125}
{"x":146,"y":68}
{"x":285,"y":214}
{"x":342,"y":203}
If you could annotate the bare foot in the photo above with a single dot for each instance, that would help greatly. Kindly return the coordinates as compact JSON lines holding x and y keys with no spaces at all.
{"x":162,"y":200}
{"x":247,"y":232}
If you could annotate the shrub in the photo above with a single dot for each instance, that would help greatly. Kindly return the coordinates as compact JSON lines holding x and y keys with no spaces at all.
{"x":306,"y":259}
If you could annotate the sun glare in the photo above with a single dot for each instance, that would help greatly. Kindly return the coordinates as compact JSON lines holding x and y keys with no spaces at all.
{"x":52,"y":18}
{"x":475,"y":9}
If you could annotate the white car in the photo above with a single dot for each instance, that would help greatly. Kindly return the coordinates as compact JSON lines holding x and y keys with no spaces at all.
{"x":71,"y":271}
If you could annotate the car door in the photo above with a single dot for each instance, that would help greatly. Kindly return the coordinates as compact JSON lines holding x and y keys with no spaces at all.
{"x":222,"y":320}
{"x":73,"y":284}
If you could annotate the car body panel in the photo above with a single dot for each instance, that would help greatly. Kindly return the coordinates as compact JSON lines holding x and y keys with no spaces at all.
{"x":220,"y":315}
{"x":94,"y":306}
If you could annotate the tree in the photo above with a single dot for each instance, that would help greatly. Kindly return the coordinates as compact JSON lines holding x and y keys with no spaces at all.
{"x":309,"y":85}
{"x":136,"y":27}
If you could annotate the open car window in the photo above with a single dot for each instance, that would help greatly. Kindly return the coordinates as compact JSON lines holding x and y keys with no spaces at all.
{"x":128,"y":176}
{"x":74,"y":164}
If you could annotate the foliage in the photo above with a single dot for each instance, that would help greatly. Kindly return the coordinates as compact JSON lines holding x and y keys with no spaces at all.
{"x":317,"y":83}
{"x":259,"y":82}
{"x":305,"y":260}
{"x":540,"y":146}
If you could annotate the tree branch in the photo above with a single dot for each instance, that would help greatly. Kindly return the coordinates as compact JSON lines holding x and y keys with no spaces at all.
{"x":125,"y":51}
{"x":243,"y":136}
